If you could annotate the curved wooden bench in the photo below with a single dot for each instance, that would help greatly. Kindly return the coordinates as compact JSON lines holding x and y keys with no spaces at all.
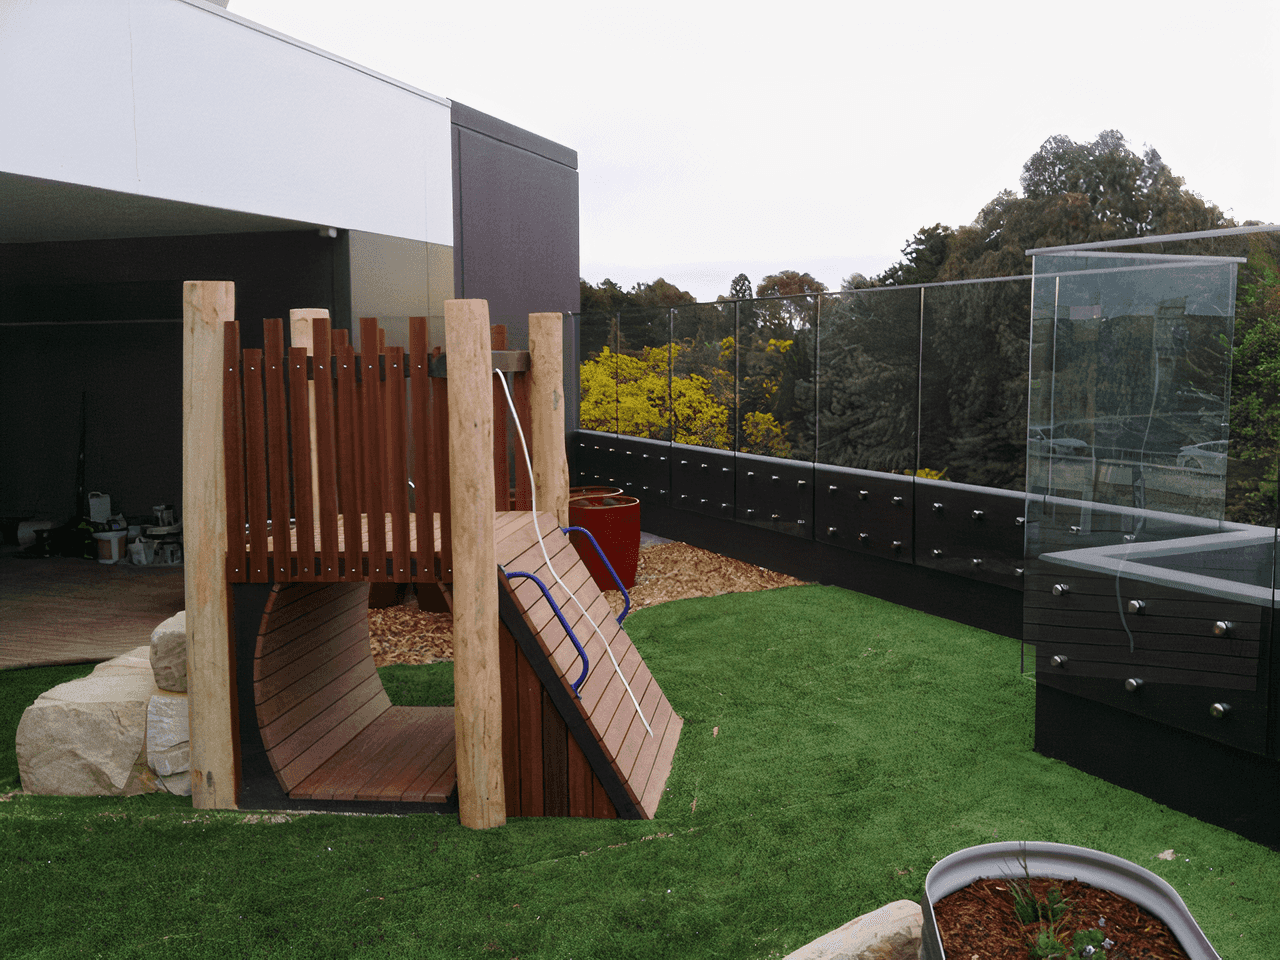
{"x":329,"y":728}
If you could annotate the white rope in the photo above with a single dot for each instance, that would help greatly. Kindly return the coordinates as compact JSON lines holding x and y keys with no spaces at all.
{"x":533,"y":496}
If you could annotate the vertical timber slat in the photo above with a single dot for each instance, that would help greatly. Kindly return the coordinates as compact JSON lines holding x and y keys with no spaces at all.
{"x":501,"y":484}
{"x":302,"y":431}
{"x":524,"y":485}
{"x":233,"y":452}
{"x":424,"y":483}
{"x":477,"y":679}
{"x":374,"y":459}
{"x":398,"y":465}
{"x":348,"y":456}
{"x":510,"y":653}
{"x":301,"y":334}
{"x":255,"y":445}
{"x":326,"y":451}
{"x":277,"y":445}
{"x":440,"y":433}
{"x":546,"y":400}
{"x":211,"y":694}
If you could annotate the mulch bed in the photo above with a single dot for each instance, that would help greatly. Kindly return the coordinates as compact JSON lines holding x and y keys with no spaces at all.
{"x":667,"y":571}
{"x":979,"y":922}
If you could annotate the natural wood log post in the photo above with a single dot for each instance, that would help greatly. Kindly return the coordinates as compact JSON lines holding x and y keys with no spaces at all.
{"x":546,"y":401}
{"x":477,"y":676}
{"x":300,"y":335}
{"x":211,"y":696}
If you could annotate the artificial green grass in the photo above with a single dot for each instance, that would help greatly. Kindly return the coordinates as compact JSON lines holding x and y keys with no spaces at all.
{"x":834,"y":748}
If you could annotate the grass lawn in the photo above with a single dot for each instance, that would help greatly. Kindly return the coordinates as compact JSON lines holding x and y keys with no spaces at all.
{"x":835,"y":747}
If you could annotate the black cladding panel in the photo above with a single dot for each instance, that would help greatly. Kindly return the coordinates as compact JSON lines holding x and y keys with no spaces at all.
{"x":974,"y":532}
{"x":863,"y":511}
{"x":775,"y":494}
{"x":641,"y":467}
{"x":702,"y":480}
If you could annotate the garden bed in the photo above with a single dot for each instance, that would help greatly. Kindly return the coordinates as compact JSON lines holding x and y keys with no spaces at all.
{"x":405,"y":634}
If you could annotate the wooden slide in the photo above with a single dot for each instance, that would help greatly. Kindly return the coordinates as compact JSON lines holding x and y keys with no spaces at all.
{"x":589,"y":754}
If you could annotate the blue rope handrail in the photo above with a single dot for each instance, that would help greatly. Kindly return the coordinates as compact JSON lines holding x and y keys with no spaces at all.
{"x":563,"y":622}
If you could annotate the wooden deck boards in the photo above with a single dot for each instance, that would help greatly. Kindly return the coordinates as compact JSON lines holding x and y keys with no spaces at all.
{"x":406,"y":755}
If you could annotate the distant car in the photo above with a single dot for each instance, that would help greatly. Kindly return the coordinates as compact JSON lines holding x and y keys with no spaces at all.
{"x":1040,"y":441}
{"x":1210,"y":457}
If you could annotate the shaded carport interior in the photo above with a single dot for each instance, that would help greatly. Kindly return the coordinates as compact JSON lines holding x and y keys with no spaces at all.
{"x":90,"y":310}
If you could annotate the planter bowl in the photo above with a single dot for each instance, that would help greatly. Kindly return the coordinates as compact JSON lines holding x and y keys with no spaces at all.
{"x":1061,"y":861}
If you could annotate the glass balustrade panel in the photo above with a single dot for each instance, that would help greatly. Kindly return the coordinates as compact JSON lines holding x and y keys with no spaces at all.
{"x":868,"y":379}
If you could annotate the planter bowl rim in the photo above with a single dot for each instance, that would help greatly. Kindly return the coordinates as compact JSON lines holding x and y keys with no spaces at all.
{"x":1063,"y":861}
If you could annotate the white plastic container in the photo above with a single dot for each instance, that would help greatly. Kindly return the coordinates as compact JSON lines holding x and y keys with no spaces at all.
{"x":99,"y":507}
{"x":111,"y":545}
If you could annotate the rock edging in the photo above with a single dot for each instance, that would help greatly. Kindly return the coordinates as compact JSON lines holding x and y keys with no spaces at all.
{"x":121,"y":731}
{"x":890,"y":933}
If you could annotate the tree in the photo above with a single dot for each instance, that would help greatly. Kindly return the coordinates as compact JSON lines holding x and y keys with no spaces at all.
{"x":740,"y":288}
{"x":788,"y":283}
{"x":923,"y":257}
{"x":639,"y":397}
{"x":1071,"y":193}
{"x":628,"y":319}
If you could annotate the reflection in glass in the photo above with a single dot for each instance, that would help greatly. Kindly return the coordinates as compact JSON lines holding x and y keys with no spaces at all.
{"x":703,"y":357}
{"x":973,"y":382}
{"x":1138,"y":410}
{"x":776,"y":390}
{"x":1129,"y":432}
{"x":868,"y":380}
{"x":598,"y":372}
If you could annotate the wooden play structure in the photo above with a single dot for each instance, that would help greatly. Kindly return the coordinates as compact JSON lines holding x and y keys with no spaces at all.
{"x":311,"y":473}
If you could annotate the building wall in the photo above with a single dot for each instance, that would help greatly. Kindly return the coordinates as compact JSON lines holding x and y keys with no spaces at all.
{"x":179,"y":100}
{"x":149,"y":142}
{"x":515,"y":215}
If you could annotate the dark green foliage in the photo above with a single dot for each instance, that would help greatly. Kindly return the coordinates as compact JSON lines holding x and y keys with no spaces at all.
{"x":923,"y":257}
{"x":740,"y":288}
{"x":1071,"y":193}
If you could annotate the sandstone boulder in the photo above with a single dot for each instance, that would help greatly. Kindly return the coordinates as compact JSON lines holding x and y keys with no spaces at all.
{"x":169,"y":740}
{"x":112,"y":733}
{"x":890,"y":933}
{"x":169,"y":653}
{"x":87,"y":737}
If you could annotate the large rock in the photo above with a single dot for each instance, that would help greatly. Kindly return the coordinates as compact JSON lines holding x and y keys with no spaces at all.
{"x":890,"y":933}
{"x":169,"y":653}
{"x":169,"y":742}
{"x":112,"y":733}
{"x":87,"y":737}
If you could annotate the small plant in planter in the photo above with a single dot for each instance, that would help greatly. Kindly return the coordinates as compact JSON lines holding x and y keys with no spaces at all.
{"x":1052,"y":901}
{"x":1048,"y":914}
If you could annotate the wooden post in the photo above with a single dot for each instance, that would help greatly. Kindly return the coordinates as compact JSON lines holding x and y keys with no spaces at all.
{"x":300,"y":336}
{"x":546,"y":402}
{"x":211,"y":697}
{"x":477,"y":677}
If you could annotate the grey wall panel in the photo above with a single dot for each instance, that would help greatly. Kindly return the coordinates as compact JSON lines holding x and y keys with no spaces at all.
{"x":515,"y":227}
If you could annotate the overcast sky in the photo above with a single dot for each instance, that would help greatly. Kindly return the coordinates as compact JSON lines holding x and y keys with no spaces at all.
{"x":715,"y":139}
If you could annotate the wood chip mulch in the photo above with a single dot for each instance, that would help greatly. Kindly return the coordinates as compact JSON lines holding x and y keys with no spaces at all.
{"x":667,"y":571}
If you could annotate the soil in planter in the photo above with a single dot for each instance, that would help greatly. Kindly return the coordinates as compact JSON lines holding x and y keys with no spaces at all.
{"x":979,"y":922}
